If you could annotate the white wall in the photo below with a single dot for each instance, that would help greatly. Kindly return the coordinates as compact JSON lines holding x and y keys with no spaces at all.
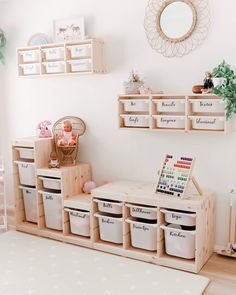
{"x":116,"y":154}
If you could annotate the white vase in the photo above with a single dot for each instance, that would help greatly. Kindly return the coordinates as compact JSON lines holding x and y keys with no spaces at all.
{"x":218,"y":81}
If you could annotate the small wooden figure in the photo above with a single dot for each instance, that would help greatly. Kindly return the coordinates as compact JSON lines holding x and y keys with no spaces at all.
{"x":53,"y":162}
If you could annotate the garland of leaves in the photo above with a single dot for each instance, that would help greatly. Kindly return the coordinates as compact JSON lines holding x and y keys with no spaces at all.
{"x":2,"y":45}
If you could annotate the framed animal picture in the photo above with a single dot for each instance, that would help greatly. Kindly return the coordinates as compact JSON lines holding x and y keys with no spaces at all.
{"x":175,"y":175}
{"x":69,"y":29}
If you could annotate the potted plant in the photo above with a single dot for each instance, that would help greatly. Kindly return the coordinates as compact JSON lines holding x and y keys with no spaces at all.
{"x":226,"y":88}
{"x":2,"y":45}
{"x":133,"y":85}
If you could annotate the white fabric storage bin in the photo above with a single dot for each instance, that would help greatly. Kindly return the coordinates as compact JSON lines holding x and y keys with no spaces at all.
{"x":80,"y":50}
{"x":178,"y":217}
{"x":178,"y":242}
{"x":207,"y":105}
{"x":143,"y":212}
{"x":51,"y":183}
{"x":108,"y":206}
{"x":143,"y":235}
{"x":30,"y":55}
{"x":170,"y":105}
{"x":82,"y":65}
{"x":135,"y":120}
{"x":137,"y":105}
{"x":26,"y":173}
{"x":30,"y":204}
{"x":110,"y":228}
{"x":79,"y":222}
{"x":30,"y":69}
{"x":54,"y":53}
{"x":26,"y":153}
{"x":173,"y":122}
{"x":53,"y":210}
{"x":54,"y":67}
{"x":207,"y":122}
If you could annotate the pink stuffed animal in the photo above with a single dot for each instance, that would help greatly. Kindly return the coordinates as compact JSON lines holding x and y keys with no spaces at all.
{"x":44,"y":131}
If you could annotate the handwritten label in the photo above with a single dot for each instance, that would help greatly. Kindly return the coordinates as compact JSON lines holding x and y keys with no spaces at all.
{"x":166,"y":104}
{"x":132,"y":103}
{"x":108,"y":221}
{"x":168,"y":121}
{"x":134,"y":119}
{"x":206,"y":104}
{"x":176,"y":216}
{"x":177,"y":234}
{"x":205,"y":121}
{"x":107,"y":205}
{"x":141,"y":211}
{"x":77,"y":214}
{"x":49,"y":198}
{"x":141,"y":227}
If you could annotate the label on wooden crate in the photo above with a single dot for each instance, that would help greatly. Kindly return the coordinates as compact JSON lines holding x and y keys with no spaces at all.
{"x":108,"y":221}
{"x":141,"y":210}
{"x":141,"y":227}
{"x":78,"y":214}
{"x":49,"y":198}
{"x":177,"y":234}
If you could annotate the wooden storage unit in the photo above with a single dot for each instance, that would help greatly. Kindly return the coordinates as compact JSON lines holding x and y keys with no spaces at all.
{"x":3,"y":201}
{"x":173,"y":113}
{"x":70,"y":58}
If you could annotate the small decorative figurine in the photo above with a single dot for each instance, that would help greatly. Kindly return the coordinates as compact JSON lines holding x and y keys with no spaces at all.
{"x":88,"y":186}
{"x":67,"y":136}
{"x":145,"y":90}
{"x":53,"y":162}
{"x":208,"y":83}
{"x":44,"y":131}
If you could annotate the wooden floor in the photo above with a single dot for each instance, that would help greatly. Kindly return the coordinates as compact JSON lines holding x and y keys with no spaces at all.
{"x":221,"y":271}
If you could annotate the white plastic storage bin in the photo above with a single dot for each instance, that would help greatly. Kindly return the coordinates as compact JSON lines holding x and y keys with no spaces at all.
{"x":143,"y":235}
{"x":26,"y":173}
{"x":30,"y":204}
{"x":170,"y":105}
{"x":51,"y":183}
{"x":179,"y":217}
{"x":112,"y":207}
{"x":173,"y":122}
{"x":82,"y":65}
{"x":179,"y":242}
{"x":79,"y":222}
{"x":53,"y":210}
{"x":30,"y":55}
{"x":110,"y":228}
{"x":83,"y":50}
{"x":26,"y":153}
{"x":207,"y":105}
{"x":135,"y":120}
{"x":207,"y":122}
{"x":54,"y":67}
{"x":30,"y":69}
{"x":143,"y":212}
{"x":54,"y":53}
{"x":138,"y":105}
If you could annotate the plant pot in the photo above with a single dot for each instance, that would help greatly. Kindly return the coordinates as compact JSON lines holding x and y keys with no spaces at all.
{"x":132,"y":87}
{"x":218,"y":81}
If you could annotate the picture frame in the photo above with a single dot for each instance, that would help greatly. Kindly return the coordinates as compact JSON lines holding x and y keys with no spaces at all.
{"x":69,"y":29}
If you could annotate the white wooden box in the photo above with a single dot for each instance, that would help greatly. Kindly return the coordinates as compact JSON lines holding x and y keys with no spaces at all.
{"x":178,"y":242}
{"x":135,"y":120}
{"x":54,"y":67}
{"x":30,"y":204}
{"x":54,"y":53}
{"x":170,"y":105}
{"x":138,"y":105}
{"x":143,"y":212}
{"x":82,"y":50}
{"x":143,"y":235}
{"x":53,"y":210}
{"x":30,"y":69}
{"x":178,"y":217}
{"x":82,"y":65}
{"x":51,"y":183}
{"x":110,"y":228}
{"x":26,"y":173}
{"x":26,"y":153}
{"x":79,"y":222}
{"x":30,"y":55}
{"x":207,"y":122}
{"x":207,"y":105}
{"x":173,"y":122}
{"x":112,"y":207}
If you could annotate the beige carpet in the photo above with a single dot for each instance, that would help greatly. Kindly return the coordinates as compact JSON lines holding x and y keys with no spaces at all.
{"x":38,"y":266}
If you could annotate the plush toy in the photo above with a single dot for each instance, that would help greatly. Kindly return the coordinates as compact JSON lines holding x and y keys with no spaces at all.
{"x":88,"y":186}
{"x":43,"y":129}
{"x":53,"y":162}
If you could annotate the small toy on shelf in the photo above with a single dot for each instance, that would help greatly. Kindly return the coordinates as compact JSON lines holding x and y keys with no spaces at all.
{"x":133,"y":85}
{"x":67,"y":136}
{"x":88,"y":186}
{"x":44,"y":131}
{"x":53,"y":162}
{"x":208,"y":83}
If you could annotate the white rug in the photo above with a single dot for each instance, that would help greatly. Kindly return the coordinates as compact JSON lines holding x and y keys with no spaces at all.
{"x":38,"y":266}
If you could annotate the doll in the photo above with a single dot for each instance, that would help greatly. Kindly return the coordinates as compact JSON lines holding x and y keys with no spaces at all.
{"x":53,"y":162}
{"x":208,"y":84}
{"x":67,"y":136}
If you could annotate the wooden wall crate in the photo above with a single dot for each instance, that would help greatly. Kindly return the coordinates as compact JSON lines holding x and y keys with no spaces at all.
{"x":70,"y":58}
{"x":176,"y":113}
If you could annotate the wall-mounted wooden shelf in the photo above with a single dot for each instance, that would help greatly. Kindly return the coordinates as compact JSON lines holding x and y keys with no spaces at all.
{"x":70,"y":58}
{"x":173,"y":113}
